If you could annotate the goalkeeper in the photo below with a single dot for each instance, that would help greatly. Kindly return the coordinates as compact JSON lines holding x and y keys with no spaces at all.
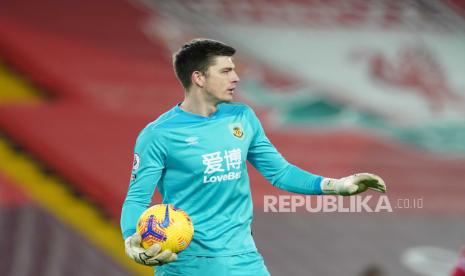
{"x":196,"y":153}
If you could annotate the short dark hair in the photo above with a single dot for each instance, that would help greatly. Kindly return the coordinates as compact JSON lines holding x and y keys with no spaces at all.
{"x":197,"y":55}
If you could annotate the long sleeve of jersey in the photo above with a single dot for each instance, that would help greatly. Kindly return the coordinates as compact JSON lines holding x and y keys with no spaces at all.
{"x":147,"y":170}
{"x":271,"y":164}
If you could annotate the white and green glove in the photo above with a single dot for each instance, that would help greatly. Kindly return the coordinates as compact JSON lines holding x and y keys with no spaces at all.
{"x":353,"y":184}
{"x":151,"y":256}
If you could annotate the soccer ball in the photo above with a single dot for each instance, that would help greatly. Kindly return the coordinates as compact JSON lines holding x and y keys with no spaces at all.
{"x":166,"y":225}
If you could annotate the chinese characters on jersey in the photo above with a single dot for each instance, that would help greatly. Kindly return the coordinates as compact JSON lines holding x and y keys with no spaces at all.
{"x":227,"y":162}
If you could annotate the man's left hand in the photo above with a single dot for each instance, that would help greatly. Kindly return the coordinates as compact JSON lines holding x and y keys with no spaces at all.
{"x":353,"y":184}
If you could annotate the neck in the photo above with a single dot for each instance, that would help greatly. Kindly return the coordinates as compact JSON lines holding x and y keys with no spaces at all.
{"x":195,"y":103}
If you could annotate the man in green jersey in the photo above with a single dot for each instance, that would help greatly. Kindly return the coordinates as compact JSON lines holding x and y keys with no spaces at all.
{"x":196,"y":153}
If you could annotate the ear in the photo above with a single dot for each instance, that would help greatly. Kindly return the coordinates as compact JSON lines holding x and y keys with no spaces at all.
{"x":198,"y":78}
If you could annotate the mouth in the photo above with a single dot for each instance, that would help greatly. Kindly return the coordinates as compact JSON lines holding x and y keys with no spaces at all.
{"x":231,"y":90}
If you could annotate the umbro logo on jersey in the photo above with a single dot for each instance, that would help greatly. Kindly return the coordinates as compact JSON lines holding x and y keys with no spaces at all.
{"x":192,"y":140}
{"x":236,"y":130}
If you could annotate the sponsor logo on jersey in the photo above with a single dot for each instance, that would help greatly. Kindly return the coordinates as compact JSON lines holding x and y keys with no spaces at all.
{"x":236,"y":130}
{"x":222,"y":165}
{"x":221,"y":178}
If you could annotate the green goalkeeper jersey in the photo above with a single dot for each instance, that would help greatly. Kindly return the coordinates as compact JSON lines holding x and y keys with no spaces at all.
{"x":198,"y":164}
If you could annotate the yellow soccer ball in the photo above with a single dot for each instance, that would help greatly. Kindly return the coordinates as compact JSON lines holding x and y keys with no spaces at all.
{"x":166,"y":225}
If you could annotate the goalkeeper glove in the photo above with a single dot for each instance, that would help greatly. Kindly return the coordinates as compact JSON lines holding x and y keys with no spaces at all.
{"x":353,"y":184}
{"x":151,"y":256}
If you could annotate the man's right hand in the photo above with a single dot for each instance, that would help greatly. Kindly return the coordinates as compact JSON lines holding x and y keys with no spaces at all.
{"x":151,"y":256}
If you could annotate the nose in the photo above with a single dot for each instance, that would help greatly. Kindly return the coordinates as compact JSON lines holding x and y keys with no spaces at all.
{"x":235,"y":78}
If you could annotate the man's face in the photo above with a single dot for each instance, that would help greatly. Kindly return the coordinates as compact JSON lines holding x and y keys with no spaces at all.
{"x":221,"y":80}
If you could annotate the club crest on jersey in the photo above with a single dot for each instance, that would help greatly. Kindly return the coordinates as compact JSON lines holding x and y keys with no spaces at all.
{"x":236,"y":130}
